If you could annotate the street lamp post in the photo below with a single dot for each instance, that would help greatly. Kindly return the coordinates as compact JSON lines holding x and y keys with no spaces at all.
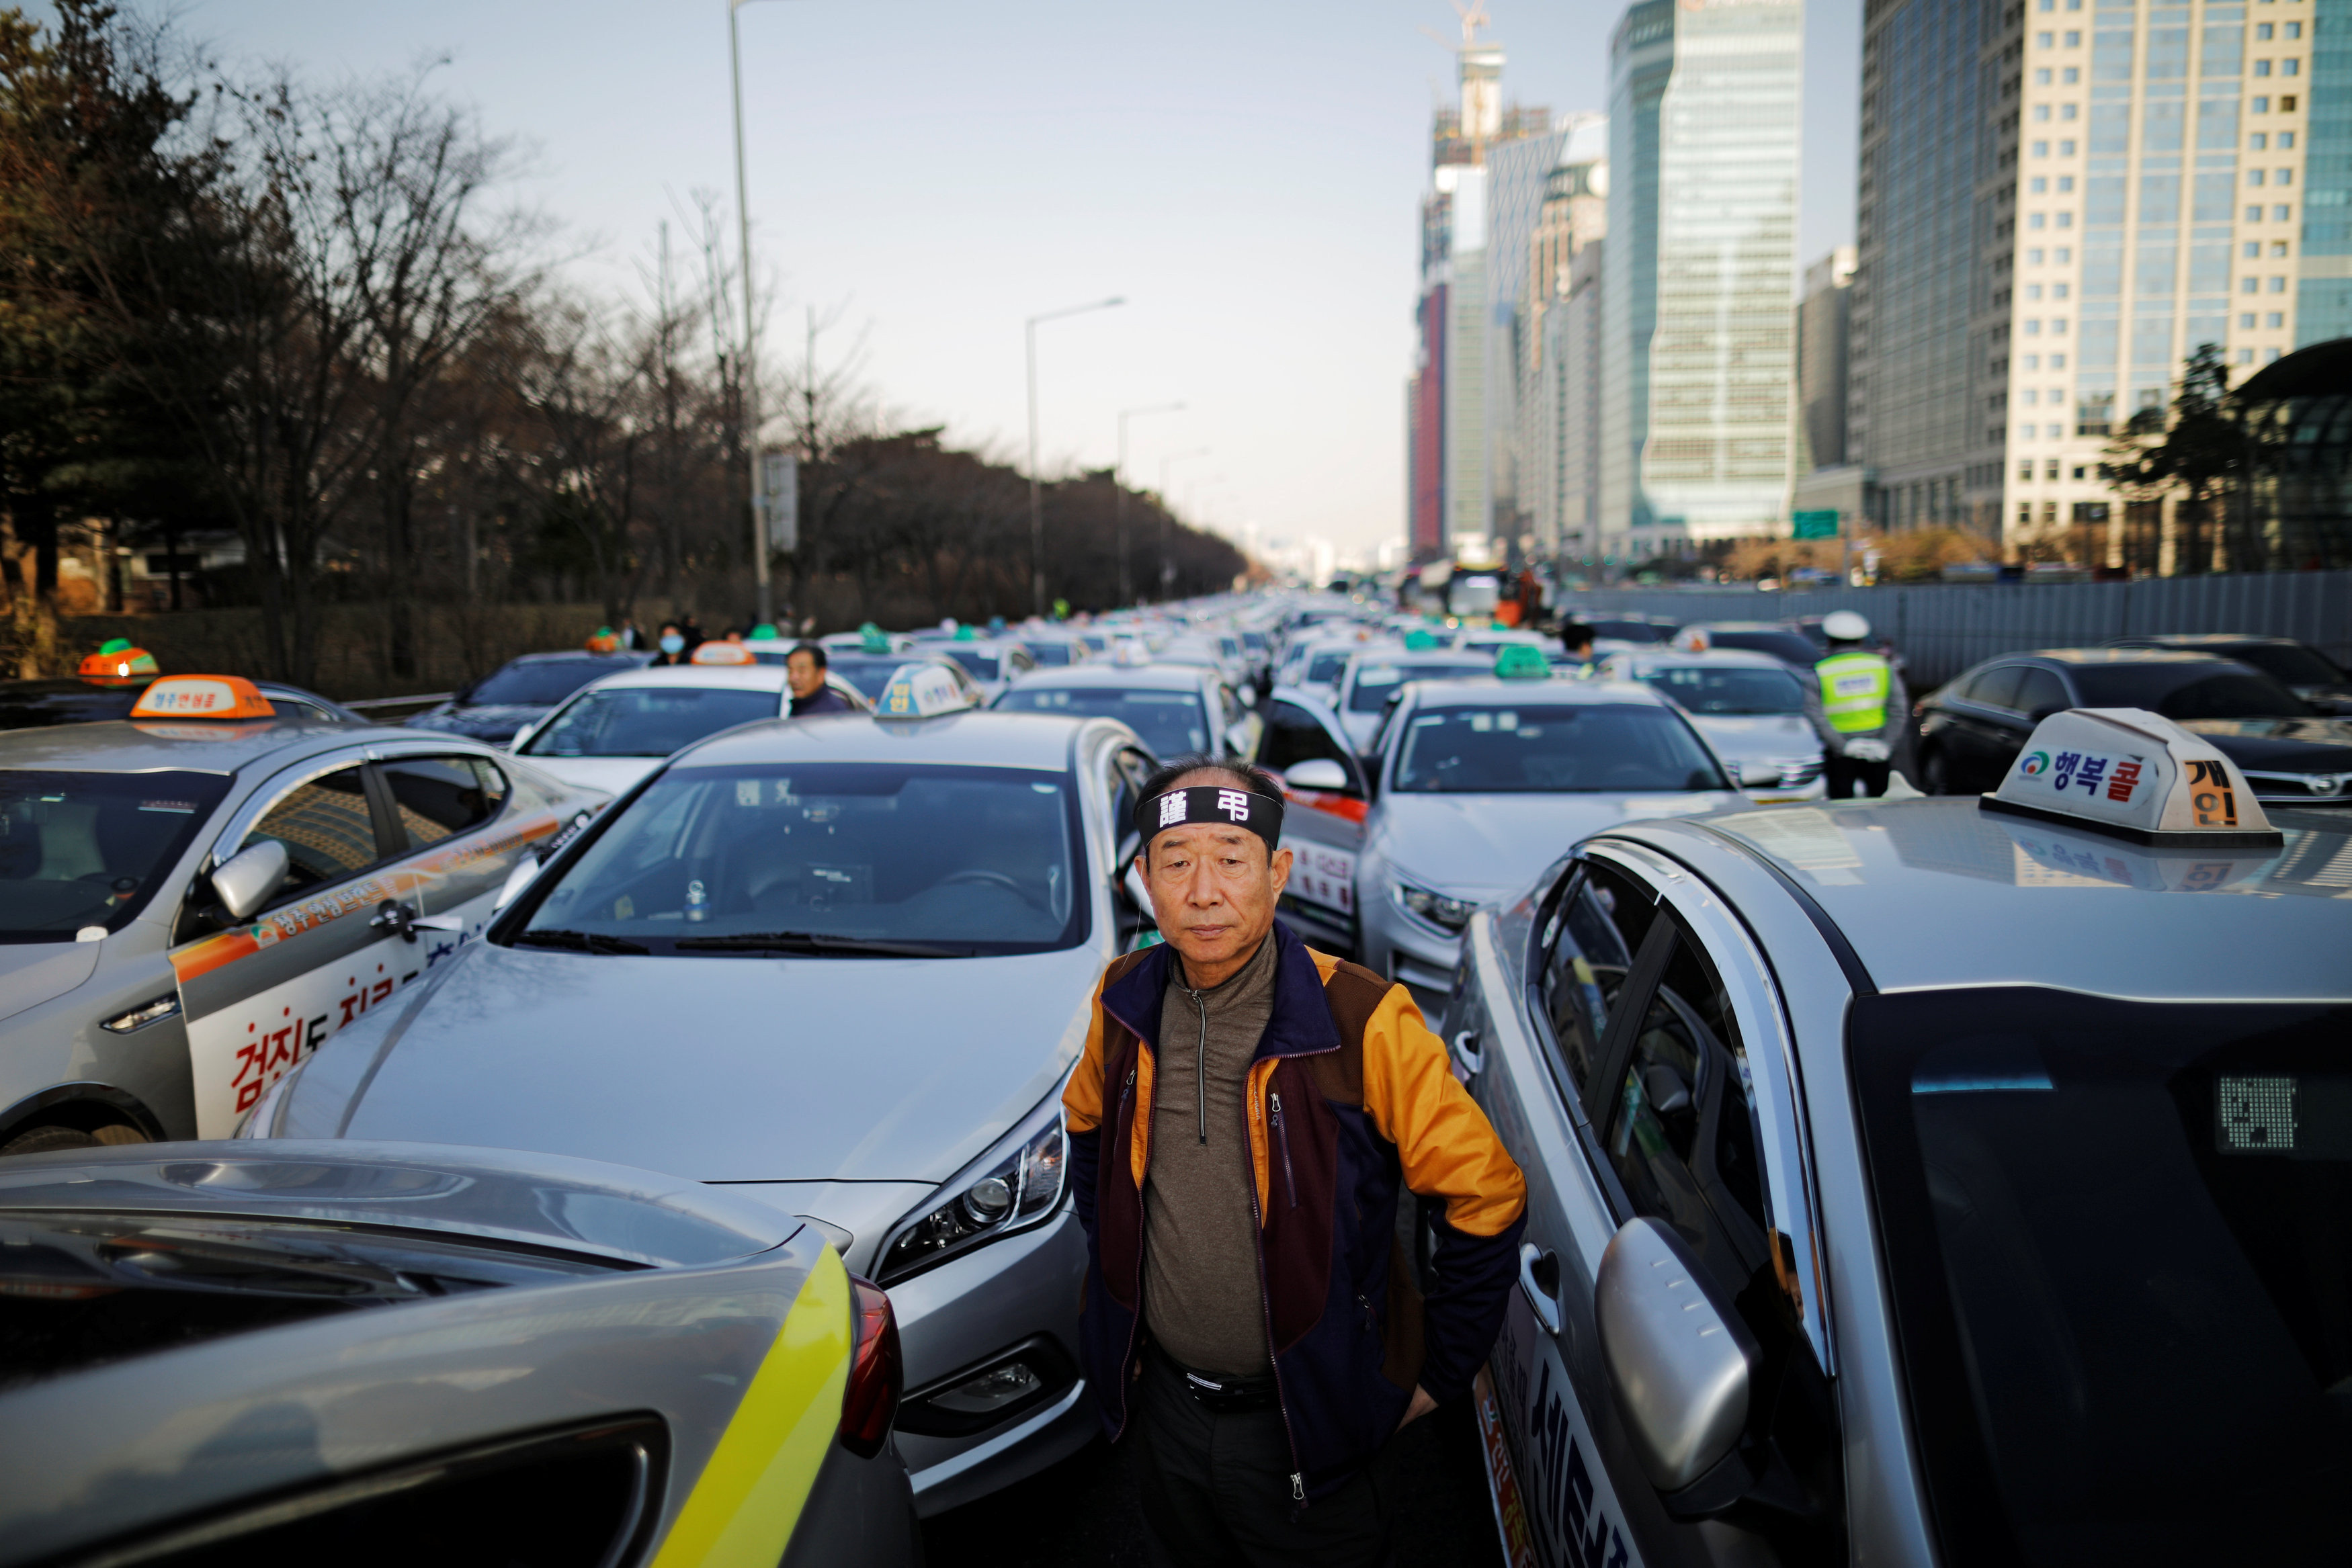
{"x":1119,"y":493}
{"x":748,"y":367}
{"x":1037,"y":494}
{"x":1167,"y":565}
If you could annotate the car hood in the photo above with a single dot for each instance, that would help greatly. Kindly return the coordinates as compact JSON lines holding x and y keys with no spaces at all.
{"x":613,"y":775}
{"x":1497,"y":842}
{"x":1760,"y":736}
{"x":490,"y":722}
{"x":32,"y":973}
{"x":2268,"y":745}
{"x":717,"y":1068}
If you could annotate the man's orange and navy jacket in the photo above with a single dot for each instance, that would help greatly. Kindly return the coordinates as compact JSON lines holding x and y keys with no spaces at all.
{"x":1348,"y":1096}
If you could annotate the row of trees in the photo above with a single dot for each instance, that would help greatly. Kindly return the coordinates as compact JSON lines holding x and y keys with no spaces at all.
{"x":233,"y":303}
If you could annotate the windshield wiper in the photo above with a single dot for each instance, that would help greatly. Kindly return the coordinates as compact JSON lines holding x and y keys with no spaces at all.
{"x":816,"y":943}
{"x":577,"y":941}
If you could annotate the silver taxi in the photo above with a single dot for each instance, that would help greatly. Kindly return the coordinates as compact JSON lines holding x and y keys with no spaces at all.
{"x":190,"y":905}
{"x":1928,"y":1181}
{"x":840,"y":965}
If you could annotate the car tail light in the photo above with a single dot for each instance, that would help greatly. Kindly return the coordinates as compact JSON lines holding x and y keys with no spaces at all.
{"x":871,"y":1400}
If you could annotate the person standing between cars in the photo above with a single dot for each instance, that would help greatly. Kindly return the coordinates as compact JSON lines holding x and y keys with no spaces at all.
{"x":1243,"y":1115}
{"x":1577,"y":638}
{"x":1864,"y":709}
{"x":804,"y":674}
{"x":672,"y":643}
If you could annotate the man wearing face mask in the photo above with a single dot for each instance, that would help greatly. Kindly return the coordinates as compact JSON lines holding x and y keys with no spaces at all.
{"x":672,"y":643}
{"x":1240,"y":1122}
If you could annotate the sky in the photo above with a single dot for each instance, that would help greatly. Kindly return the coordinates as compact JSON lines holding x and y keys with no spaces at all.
{"x":929,"y":173}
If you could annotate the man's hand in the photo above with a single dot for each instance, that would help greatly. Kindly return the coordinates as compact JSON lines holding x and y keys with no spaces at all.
{"x":1421,"y":1405}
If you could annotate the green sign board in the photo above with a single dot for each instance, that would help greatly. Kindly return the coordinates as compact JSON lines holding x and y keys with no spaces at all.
{"x":1814,"y":525}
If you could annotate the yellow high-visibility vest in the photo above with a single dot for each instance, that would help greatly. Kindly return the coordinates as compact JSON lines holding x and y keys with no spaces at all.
{"x":1854,"y":689}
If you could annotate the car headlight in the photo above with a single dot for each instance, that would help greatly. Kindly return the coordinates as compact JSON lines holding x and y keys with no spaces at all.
{"x":1448,"y":914}
{"x":1014,"y":1186}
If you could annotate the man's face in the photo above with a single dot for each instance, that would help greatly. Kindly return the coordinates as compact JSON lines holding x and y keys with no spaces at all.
{"x":1213,"y":890}
{"x":803,"y":675}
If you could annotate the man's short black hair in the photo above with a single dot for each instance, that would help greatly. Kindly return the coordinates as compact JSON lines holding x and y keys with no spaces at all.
{"x":1257,"y":779}
{"x":1575,"y":635}
{"x":814,"y":650}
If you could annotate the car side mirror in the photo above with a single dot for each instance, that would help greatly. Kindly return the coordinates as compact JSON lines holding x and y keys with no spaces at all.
{"x":521,"y":736}
{"x":525,"y":868}
{"x":1248,"y":694}
{"x":1131,"y":882}
{"x":244,"y":882}
{"x":1682,"y":1361}
{"x":1318,"y":773}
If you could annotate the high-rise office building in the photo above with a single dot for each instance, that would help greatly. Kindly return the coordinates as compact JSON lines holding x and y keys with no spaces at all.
{"x":1823,"y":321}
{"x":2060,"y":201}
{"x":1698,"y":332}
{"x":1559,"y":346}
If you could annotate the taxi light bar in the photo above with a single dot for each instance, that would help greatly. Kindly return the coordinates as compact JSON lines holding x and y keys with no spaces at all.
{"x":723,"y":653}
{"x":202,"y":696}
{"x":922,"y":691}
{"x":117,"y":663}
{"x":2134,"y":775}
{"x":1521,"y":662}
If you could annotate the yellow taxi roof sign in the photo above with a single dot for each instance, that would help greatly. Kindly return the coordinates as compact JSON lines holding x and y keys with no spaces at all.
{"x":922,"y":691}
{"x":118,"y":662}
{"x":202,"y":696}
{"x":723,"y":653}
{"x":2134,"y":775}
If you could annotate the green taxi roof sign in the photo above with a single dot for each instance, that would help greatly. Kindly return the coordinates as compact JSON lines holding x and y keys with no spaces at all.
{"x":1521,"y":662}
{"x":1420,"y":642}
{"x":872,"y":638}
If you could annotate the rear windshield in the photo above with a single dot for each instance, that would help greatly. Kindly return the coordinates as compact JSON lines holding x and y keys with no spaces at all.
{"x":1325,"y":668}
{"x":1531,"y":746}
{"x":869,"y":672}
{"x":80,"y":849}
{"x":1050,"y":653}
{"x":1630,"y":631}
{"x":1374,"y":682}
{"x":539,"y":684}
{"x":2297,"y":666}
{"x":2188,"y":691}
{"x":1170,"y":722}
{"x":981,"y":665}
{"x":647,"y":721}
{"x":1793,"y":647}
{"x":1727,"y":691}
{"x":2119,"y":1236}
{"x":35,"y":709}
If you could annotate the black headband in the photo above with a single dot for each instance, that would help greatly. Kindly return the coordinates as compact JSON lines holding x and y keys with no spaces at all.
{"x":1220,"y":803}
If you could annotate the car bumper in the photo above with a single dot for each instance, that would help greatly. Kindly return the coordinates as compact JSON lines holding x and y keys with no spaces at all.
{"x":957,"y":1319}
{"x":1397,"y":946}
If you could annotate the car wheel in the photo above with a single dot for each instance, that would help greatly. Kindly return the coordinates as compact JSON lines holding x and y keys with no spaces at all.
{"x":42,"y":1139}
{"x":1935,"y":773}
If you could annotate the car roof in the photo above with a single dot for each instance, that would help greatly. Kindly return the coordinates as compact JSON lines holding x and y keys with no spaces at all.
{"x":706,"y":677}
{"x":1118,"y":678}
{"x":980,"y":737}
{"x":2191,"y":641}
{"x":2022,"y":901}
{"x":1737,"y":658}
{"x":1557,"y":692}
{"x":578,"y":655}
{"x":202,"y":746}
{"x":2119,"y":656}
{"x":1737,"y":625}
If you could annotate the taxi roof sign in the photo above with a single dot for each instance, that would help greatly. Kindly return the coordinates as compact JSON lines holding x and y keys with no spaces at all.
{"x":872,"y":638}
{"x":116,"y":661}
{"x":922,"y":691}
{"x":202,"y":696}
{"x":1521,"y":662}
{"x":723,"y":654}
{"x":1420,"y":641}
{"x":2135,"y":775}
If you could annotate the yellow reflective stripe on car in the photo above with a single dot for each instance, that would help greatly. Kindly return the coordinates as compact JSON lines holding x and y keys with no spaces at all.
{"x":748,"y":1496}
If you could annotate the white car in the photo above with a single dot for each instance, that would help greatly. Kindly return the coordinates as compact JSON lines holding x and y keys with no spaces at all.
{"x":609,"y":735}
{"x":1752,"y":708}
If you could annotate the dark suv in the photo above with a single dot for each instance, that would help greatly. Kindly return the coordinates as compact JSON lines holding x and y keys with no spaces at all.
{"x":1972,"y":728}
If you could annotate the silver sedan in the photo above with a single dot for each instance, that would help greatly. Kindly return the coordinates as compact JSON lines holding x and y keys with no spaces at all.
{"x":1914,"y":1183}
{"x":839,"y":965}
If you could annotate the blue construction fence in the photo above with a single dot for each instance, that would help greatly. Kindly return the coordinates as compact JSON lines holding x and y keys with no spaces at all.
{"x":1944,"y":628}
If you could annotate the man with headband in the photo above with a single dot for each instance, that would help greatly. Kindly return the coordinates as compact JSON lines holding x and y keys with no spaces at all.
{"x":1240,"y":1122}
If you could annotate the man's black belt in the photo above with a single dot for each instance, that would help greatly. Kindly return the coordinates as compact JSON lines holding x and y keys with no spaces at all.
{"x":1223,"y":1395}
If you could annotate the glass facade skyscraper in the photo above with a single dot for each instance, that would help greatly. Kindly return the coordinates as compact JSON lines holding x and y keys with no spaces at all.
{"x":1698,"y":357}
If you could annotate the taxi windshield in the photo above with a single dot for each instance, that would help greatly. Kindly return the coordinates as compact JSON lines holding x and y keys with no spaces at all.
{"x":869,"y":672}
{"x":826,"y":860}
{"x":1539,"y":747}
{"x":981,"y":665}
{"x":1717,"y":690}
{"x":1054,"y":654}
{"x":647,"y":721}
{"x":1792,"y":646}
{"x":90,"y":848}
{"x":1325,"y":668}
{"x":1168,"y":722}
{"x":2119,"y":1236}
{"x":1375,"y":683}
{"x":538,"y":684}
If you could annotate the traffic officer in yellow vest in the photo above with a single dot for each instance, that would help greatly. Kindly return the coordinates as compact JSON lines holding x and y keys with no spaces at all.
{"x":1863,"y":710}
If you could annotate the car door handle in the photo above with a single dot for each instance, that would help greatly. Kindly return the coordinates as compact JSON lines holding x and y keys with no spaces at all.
{"x":1539,"y":1282}
{"x":1466,"y":1052}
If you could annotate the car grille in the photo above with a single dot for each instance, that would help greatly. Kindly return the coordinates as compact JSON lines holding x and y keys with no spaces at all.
{"x":1796,"y":772}
{"x":2302,"y":788}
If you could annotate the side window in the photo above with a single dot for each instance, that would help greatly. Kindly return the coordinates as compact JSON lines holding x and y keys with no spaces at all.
{"x":1997,"y":687}
{"x":326,"y":827}
{"x":1293,"y":735}
{"x":1680,"y":1131}
{"x":1589,"y":941}
{"x":1127,"y":772}
{"x":2041,"y":692}
{"x":438,"y":797}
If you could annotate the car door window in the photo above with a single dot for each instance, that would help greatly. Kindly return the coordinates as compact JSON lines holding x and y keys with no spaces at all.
{"x":1293,"y":735}
{"x":1589,"y":941}
{"x":2041,"y":692}
{"x":1681,"y":1132}
{"x":1997,"y":687}
{"x":328,"y":833}
{"x":437,"y":798}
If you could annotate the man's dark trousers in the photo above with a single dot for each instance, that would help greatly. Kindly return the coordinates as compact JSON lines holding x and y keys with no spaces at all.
{"x":1840,"y":772}
{"x":1216,"y":1489}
